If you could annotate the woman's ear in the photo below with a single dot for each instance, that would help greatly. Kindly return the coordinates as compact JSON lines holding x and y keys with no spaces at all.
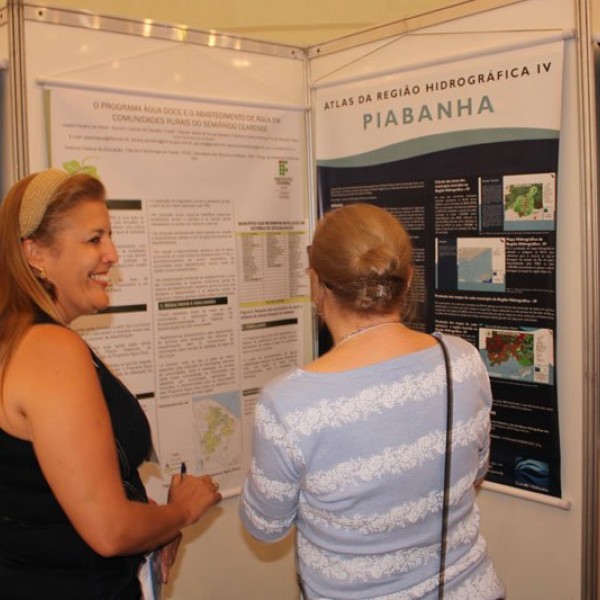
{"x":411,"y":272}
{"x":32,"y":253}
{"x":315,"y":286}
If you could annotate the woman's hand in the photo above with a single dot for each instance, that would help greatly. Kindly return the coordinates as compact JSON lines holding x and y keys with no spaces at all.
{"x":194,"y":494}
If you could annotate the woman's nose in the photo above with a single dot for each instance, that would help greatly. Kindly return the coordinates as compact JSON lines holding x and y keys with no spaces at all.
{"x":111,"y":254}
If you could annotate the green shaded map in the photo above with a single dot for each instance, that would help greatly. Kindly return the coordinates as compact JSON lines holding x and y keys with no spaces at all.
{"x":217,"y":437}
{"x":219,"y":425}
{"x":524,"y":199}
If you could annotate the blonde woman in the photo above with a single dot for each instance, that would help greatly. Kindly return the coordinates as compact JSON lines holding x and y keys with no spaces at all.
{"x":350,"y":450}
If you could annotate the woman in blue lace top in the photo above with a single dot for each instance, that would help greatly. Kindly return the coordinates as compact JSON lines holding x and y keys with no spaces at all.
{"x":349,"y":450}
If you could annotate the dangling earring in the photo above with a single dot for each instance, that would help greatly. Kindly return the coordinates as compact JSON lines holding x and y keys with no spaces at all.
{"x":40,"y":273}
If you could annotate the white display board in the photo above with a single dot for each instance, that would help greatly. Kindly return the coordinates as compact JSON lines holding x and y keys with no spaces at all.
{"x":201,"y":147}
{"x":210,"y":297}
{"x":536,"y":547}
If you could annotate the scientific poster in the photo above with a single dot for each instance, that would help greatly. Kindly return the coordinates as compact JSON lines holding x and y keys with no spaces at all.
{"x":465,"y":154}
{"x":210,"y":296}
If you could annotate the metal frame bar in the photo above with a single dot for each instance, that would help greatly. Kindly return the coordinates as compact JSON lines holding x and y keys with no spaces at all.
{"x":17,"y":12}
{"x":542,"y":37}
{"x":153,"y":29}
{"x":589,"y":100}
{"x":18,"y":107}
{"x":458,"y":10}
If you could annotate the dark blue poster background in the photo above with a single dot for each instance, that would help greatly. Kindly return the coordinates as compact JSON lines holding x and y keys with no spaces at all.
{"x":482,"y":222}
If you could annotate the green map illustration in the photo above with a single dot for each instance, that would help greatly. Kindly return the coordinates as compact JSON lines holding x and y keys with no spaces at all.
{"x":218,"y":439}
{"x":524,"y":199}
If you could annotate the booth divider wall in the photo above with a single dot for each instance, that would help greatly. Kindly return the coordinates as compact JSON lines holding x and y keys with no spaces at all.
{"x":163,"y":109}
{"x":538,"y":548}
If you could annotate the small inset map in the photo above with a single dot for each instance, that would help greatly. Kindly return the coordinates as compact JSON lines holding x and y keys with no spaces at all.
{"x":522,"y":355}
{"x":524,"y":200}
{"x":217,"y":433}
{"x":481,"y":264}
{"x":475,"y":265}
{"x":529,"y":201}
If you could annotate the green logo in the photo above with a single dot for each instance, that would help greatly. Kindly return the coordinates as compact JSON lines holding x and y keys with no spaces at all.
{"x":73,"y":166}
{"x":283,"y":168}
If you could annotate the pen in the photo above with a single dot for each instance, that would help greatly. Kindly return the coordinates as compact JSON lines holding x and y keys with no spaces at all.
{"x":183,"y":469}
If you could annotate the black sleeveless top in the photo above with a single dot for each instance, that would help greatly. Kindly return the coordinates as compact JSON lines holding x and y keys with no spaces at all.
{"x":41,"y":554}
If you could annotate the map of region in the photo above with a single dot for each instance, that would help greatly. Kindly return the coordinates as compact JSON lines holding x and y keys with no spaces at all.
{"x":475,"y":265}
{"x":524,"y":200}
{"x":217,"y":434}
{"x":510,"y":355}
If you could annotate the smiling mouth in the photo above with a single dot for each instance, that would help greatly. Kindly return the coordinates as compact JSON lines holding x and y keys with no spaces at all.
{"x":100,"y":278}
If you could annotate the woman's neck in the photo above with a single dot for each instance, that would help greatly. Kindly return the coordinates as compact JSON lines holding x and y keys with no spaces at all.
{"x":364,"y":329}
{"x":345,"y":326}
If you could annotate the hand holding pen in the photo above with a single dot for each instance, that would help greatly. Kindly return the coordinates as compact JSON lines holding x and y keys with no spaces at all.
{"x":195,"y":493}
{"x":183,"y":471}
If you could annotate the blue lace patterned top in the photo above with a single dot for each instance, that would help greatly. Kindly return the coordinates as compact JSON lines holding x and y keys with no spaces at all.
{"x":355,"y":461}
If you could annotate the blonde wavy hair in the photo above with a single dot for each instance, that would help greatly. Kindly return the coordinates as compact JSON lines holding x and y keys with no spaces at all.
{"x":363,"y":254}
{"x":23,"y":293}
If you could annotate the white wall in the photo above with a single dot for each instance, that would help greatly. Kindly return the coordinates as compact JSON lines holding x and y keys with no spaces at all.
{"x":217,"y":560}
{"x":221,"y":562}
{"x":536,"y":547}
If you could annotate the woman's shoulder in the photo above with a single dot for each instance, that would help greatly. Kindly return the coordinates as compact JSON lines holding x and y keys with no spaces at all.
{"x":50,"y":347}
{"x":287,"y":380}
{"x":294,"y":387}
{"x":55,"y":337}
{"x":49,"y":363}
{"x":465,"y":357}
{"x":455,"y":343}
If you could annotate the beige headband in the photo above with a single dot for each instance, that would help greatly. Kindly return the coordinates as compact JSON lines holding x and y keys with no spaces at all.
{"x":40,"y":193}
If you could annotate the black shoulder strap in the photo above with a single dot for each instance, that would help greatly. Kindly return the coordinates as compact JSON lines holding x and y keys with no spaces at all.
{"x":447,"y":467}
